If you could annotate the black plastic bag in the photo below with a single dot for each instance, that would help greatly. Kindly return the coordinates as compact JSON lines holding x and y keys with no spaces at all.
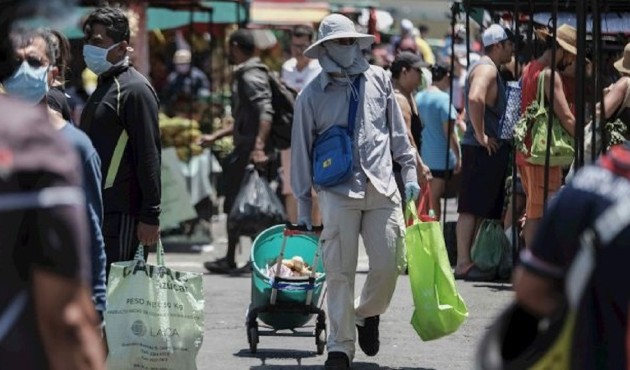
{"x":256,"y":207}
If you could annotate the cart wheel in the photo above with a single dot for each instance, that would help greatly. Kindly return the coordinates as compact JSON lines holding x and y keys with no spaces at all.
{"x":252,"y":338}
{"x":320,"y":339}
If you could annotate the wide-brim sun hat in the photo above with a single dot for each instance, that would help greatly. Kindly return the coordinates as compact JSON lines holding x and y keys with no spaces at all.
{"x":623,"y":64}
{"x":566,"y":36}
{"x":337,"y":26}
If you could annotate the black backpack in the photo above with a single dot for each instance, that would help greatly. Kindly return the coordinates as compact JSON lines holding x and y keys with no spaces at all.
{"x":282,"y":100}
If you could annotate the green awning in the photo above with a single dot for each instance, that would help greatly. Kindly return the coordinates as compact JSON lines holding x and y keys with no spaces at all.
{"x":160,"y":18}
{"x":529,"y":6}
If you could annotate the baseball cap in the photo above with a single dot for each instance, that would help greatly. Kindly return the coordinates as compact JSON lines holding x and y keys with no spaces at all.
{"x":243,"y":38}
{"x":407,"y":59}
{"x":495,"y":34}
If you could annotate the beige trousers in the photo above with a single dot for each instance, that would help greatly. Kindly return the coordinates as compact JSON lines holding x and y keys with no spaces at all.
{"x":379,"y":221}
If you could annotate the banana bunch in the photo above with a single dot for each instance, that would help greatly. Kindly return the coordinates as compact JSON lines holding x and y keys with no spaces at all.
{"x":224,"y":145}
{"x":181,"y":133}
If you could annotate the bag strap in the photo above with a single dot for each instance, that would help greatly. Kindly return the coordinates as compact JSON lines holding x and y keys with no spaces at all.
{"x":605,"y":229}
{"x":159,"y":253}
{"x":426,"y":193}
{"x":45,"y":198}
{"x":411,"y":213}
{"x":354,"y":104}
{"x":540,"y":92}
{"x":12,"y":312}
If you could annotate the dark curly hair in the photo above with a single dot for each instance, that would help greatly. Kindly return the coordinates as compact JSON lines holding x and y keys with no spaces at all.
{"x":115,"y":22}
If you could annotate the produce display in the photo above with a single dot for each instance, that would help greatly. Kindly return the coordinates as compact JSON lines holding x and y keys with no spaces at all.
{"x":181,"y":133}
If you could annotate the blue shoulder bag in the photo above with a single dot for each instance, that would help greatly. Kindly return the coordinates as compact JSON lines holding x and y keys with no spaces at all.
{"x":332,"y":150}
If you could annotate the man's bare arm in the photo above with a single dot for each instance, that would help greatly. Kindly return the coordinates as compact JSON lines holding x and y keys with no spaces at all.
{"x":538,"y":295}
{"x":483,"y":77}
{"x":67,"y":322}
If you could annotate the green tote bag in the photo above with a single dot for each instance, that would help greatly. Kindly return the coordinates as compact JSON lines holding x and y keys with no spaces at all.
{"x":535,"y":120}
{"x":154,"y":316}
{"x":439,"y":309}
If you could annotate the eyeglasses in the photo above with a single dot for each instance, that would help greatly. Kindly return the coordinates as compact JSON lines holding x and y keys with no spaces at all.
{"x":345,"y":41}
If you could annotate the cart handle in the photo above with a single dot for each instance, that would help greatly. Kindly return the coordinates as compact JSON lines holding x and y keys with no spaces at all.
{"x":294,"y":229}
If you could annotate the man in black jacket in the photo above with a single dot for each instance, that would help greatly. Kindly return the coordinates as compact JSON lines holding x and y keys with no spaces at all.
{"x":121,"y":119}
{"x":253,"y":114}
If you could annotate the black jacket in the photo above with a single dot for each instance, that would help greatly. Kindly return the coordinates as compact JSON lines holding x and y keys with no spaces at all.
{"x":125,"y":100}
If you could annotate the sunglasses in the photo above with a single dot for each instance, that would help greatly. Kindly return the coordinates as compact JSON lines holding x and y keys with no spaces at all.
{"x":345,"y":41}
{"x":31,"y":60}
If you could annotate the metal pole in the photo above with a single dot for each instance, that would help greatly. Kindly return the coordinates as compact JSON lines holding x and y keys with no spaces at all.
{"x":554,"y":19}
{"x":454,"y":12}
{"x":596,"y":32}
{"x":193,"y":94}
{"x":515,"y":238}
{"x":580,"y":97}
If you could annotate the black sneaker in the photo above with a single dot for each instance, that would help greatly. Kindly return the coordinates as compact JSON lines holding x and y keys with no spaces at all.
{"x":337,"y":361}
{"x":245,"y":269}
{"x":220,"y":266}
{"x":368,"y":336}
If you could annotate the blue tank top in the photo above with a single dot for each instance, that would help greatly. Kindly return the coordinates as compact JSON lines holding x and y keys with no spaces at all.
{"x":492,"y":115}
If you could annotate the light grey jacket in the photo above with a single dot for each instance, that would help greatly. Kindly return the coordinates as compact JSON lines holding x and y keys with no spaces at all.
{"x":380,"y":135}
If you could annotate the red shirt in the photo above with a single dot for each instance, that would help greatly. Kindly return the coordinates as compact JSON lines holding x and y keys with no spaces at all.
{"x":529,"y":88}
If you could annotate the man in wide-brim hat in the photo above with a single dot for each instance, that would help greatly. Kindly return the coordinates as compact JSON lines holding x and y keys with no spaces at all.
{"x":367,"y":201}
{"x":533,"y":175}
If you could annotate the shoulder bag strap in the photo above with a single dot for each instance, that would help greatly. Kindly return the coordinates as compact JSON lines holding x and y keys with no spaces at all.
{"x":354,"y":104}
{"x":540,"y":94}
{"x":607,"y":227}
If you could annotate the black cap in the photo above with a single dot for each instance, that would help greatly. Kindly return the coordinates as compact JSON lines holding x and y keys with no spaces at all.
{"x":243,"y":39}
{"x":407,"y":59}
{"x":439,"y":71}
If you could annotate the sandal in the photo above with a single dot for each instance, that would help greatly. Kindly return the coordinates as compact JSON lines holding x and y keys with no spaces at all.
{"x":473,"y":273}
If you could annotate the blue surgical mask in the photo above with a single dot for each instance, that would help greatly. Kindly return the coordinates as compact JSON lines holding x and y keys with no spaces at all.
{"x":96,"y":58}
{"x":28,"y":84}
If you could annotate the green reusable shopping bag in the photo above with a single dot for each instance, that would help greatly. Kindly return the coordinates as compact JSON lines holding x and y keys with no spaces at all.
{"x":536,"y":120}
{"x":154,"y":316}
{"x":439,"y":309}
{"x":489,"y":246}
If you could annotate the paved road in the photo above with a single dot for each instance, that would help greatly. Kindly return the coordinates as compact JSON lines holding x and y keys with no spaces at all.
{"x":225,"y":344}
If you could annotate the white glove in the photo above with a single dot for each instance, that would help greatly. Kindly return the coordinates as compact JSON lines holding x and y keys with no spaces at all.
{"x":412,"y":190}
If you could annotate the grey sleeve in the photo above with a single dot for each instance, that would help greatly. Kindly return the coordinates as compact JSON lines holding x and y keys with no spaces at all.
{"x":301,"y":143}
{"x":256,"y":88}
{"x":402,"y":151}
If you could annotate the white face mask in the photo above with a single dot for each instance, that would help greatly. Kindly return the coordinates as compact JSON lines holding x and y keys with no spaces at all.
{"x":343,"y":55}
